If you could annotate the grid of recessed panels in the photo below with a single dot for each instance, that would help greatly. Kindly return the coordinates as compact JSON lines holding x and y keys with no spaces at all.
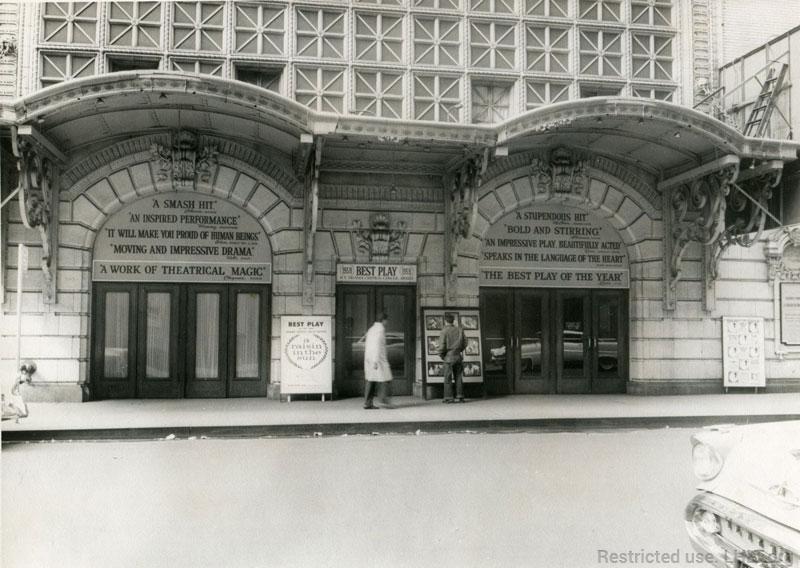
{"x":440,"y":60}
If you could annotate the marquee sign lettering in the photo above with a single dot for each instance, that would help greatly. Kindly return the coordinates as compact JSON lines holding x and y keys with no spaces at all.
{"x":547,"y":246}
{"x":182,"y":237}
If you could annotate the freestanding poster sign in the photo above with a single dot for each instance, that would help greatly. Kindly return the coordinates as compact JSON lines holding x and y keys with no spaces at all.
{"x":306,"y":355}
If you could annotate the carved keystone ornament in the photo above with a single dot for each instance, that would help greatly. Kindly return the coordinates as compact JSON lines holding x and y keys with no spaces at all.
{"x":184,"y":161}
{"x":380,"y":241}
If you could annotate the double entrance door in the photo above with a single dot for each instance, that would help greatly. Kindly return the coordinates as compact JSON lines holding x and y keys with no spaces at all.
{"x":180,"y":340}
{"x":356,"y":308}
{"x":554,"y":341}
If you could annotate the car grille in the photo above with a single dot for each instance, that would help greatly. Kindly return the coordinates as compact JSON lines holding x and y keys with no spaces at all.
{"x":753,"y":550}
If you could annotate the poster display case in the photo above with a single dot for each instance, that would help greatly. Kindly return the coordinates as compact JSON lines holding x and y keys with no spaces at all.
{"x":432,"y":325}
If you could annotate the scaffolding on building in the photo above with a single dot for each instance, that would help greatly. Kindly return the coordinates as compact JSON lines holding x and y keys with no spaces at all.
{"x":755,"y":90}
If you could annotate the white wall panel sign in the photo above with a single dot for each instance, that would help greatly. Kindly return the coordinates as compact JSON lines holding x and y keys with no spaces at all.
{"x":548,"y":246}
{"x":306,"y":355}
{"x":182,"y":237}
{"x":790,"y":313}
{"x":743,"y":352}
{"x":377,"y":273}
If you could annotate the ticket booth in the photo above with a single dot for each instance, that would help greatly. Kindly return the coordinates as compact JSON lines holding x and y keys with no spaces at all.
{"x":554,"y":303}
{"x":362,"y":292}
{"x":181,"y":289}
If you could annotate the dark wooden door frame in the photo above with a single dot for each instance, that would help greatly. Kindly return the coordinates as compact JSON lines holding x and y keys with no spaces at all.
{"x":207,"y":388}
{"x":249,"y":386}
{"x":181,"y":363}
{"x":553,"y":326}
{"x":172,"y":386}
{"x":103,"y":387}
{"x":374,"y":292}
{"x":544,"y":383}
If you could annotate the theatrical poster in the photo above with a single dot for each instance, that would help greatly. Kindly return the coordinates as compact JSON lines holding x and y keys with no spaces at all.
{"x":432,"y":325}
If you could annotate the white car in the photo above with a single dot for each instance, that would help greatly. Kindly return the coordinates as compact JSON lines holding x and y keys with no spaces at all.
{"x":747,"y":514}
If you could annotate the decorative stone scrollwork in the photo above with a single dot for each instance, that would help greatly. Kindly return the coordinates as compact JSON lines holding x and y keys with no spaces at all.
{"x":38,"y":201}
{"x":310,"y":218}
{"x":185,"y":160}
{"x":746,"y":216}
{"x":563,"y":173}
{"x":716,"y":205}
{"x":697,"y":213}
{"x":380,"y":241}
{"x":461,"y":208}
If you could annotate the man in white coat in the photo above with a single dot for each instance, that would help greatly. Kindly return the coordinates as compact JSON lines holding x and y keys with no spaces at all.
{"x":376,"y":364}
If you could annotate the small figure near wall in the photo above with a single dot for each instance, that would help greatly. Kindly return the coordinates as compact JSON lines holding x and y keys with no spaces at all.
{"x":15,"y":406}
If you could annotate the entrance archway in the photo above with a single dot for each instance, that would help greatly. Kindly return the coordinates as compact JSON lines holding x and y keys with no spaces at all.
{"x":553,"y":296}
{"x":181,"y":300}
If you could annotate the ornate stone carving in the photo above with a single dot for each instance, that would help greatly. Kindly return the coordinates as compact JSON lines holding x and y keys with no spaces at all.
{"x":776,"y":245}
{"x":38,"y":203}
{"x":465,"y":184}
{"x":8,"y":47}
{"x":185,"y":160}
{"x":563,"y":173}
{"x":310,"y":218}
{"x":717,"y":206}
{"x":380,"y":241}
{"x":746,"y":216}
{"x":782,"y":251}
{"x":696,"y":204}
{"x":461,"y":211}
{"x":698,"y":213}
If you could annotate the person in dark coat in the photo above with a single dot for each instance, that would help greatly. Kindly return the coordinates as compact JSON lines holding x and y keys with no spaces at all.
{"x":451,"y":346}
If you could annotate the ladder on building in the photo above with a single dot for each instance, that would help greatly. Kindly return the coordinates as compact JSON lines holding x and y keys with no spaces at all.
{"x":757,"y":122}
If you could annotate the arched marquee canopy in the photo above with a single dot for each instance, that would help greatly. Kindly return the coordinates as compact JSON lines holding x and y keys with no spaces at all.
{"x":674,"y":149}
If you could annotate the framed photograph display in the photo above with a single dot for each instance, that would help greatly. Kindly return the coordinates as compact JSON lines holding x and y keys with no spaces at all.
{"x":433,"y":323}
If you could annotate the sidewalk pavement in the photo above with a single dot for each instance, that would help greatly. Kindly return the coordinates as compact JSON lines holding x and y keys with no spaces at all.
{"x":259,"y":417}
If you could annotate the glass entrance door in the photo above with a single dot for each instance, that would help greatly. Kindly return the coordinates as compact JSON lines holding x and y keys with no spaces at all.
{"x":554,"y":340}
{"x":158,"y":374}
{"x":356,"y":307}
{"x":176,"y":340}
{"x":609,"y":318}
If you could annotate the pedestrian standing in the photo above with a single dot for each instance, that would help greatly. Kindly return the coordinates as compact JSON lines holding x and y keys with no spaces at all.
{"x":451,"y":346}
{"x":376,"y":364}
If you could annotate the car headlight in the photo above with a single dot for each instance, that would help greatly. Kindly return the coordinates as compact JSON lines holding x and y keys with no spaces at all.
{"x":707,"y":522}
{"x":706,"y":461}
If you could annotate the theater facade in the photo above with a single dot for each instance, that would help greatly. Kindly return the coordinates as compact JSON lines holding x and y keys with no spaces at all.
{"x":194,"y":236}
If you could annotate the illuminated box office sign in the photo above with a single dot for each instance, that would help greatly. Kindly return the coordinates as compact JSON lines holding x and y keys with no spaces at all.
{"x":182,"y":237}
{"x":547,"y":246}
{"x":377,"y":273}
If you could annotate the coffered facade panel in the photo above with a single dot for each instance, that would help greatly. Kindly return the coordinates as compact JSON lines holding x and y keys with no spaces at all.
{"x":434,"y":60}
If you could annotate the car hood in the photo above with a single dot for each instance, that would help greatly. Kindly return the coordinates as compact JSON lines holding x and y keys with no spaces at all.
{"x":761,"y":470}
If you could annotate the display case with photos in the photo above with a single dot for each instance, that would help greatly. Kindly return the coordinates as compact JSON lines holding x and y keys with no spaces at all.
{"x":433,"y":322}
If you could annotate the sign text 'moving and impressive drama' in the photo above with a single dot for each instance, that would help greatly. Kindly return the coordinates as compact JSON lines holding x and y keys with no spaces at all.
{"x":549,"y":245}
{"x":182,"y":237}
